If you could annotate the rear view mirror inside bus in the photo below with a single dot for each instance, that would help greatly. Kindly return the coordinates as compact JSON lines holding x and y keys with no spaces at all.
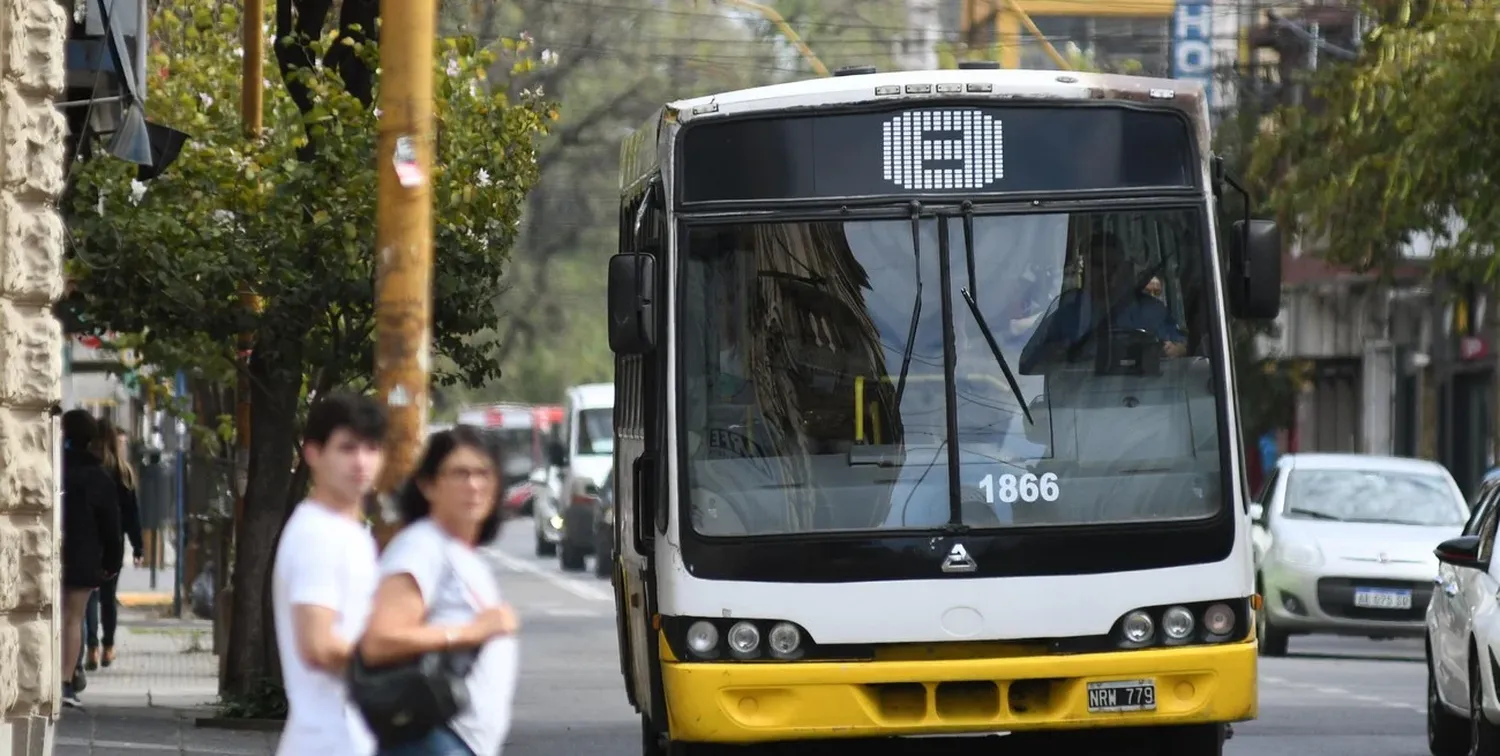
{"x":632,"y":294}
{"x":1255,"y":269}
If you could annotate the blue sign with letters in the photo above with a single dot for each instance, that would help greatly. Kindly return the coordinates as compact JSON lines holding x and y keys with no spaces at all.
{"x":1192,"y":44}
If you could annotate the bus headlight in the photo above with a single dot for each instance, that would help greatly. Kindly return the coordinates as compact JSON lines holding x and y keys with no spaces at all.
{"x":744,"y":638}
{"x":1218,"y":620}
{"x":1177,"y":623}
{"x":736,"y":639}
{"x":702,"y":638}
{"x":785,"y":640}
{"x":1138,"y":627}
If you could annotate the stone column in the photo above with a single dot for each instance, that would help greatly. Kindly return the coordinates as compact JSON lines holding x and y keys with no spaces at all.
{"x":31,"y":342}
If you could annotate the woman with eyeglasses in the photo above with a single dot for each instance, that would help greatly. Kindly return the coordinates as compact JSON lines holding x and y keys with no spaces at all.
{"x":437,"y":594}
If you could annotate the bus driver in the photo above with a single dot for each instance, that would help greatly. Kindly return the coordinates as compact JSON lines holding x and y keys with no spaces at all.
{"x":1077,"y":313}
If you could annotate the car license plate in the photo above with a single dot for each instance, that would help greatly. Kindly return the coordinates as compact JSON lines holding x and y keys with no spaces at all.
{"x":1122,"y":695}
{"x":1382,"y":598}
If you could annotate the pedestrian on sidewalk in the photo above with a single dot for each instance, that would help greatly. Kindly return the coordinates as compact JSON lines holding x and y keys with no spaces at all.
{"x":113,"y":449}
{"x":324,"y":578}
{"x":93,"y":549}
{"x":438,"y":595}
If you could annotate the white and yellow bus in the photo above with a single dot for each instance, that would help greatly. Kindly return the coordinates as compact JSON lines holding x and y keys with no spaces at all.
{"x":926,"y":419}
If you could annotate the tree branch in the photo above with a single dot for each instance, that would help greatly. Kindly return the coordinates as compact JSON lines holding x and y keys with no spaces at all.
{"x":358,"y":21}
{"x":298,"y":23}
{"x":572,"y":134}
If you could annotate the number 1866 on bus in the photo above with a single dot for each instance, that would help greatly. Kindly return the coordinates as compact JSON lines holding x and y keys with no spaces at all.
{"x":1007,"y":488}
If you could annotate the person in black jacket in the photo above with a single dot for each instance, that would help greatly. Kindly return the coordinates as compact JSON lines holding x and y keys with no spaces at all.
{"x":93,"y":548}
{"x":113,"y":450}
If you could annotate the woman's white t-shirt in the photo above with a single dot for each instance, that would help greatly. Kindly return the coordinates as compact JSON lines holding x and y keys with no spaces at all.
{"x":456,"y":584}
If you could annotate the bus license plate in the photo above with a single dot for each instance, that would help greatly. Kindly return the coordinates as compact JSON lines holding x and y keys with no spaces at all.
{"x":1382,"y":598}
{"x":1122,"y":695}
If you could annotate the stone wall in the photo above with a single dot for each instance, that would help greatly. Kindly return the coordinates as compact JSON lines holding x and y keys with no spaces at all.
{"x":31,"y":341}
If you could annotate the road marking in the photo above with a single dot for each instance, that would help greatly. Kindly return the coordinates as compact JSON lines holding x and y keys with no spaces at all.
{"x":577,"y":588}
{"x":1330,"y":691}
{"x":572,"y":613}
{"x":127,"y":746}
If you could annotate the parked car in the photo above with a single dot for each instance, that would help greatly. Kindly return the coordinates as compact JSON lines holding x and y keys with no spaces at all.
{"x":1345,"y":545}
{"x":1463,"y":634}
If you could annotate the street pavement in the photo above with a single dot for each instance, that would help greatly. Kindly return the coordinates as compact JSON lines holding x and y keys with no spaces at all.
{"x":1330,"y":697}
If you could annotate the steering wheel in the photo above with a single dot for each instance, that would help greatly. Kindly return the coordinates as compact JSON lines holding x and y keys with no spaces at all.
{"x":1132,"y":336}
{"x":1136,"y":334}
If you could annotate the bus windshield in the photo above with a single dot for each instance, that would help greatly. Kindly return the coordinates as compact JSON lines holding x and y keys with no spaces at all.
{"x":815,"y":393}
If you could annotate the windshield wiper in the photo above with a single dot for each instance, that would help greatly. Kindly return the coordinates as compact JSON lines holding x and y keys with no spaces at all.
{"x":984,"y":327}
{"x":1382,"y":521}
{"x":916,"y":305}
{"x":1315,"y":515}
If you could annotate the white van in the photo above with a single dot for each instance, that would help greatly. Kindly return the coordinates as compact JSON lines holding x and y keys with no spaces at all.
{"x":579,"y":460}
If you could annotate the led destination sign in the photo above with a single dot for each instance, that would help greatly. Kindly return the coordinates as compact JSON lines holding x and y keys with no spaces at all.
{"x":956,"y":149}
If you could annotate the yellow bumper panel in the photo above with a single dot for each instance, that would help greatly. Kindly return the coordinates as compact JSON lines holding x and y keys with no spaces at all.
{"x":747,"y":703}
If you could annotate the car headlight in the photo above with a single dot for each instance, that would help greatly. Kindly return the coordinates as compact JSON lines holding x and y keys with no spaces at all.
{"x":1299,"y":554}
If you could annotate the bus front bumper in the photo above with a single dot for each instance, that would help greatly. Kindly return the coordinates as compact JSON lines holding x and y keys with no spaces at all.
{"x":748,"y":703}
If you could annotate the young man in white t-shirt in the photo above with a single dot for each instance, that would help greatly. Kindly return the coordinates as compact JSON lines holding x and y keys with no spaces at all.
{"x":325,"y":577}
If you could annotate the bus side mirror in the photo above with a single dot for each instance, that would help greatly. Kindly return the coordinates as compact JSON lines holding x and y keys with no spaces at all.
{"x":632,"y":311}
{"x":1255,"y":269}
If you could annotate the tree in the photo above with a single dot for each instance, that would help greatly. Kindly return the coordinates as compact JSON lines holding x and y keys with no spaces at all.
{"x":1396,"y":142}
{"x":1267,"y":384}
{"x":292,"y":216}
{"x":618,"y":62}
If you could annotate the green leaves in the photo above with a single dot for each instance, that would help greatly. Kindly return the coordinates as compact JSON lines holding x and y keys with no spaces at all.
{"x":1402,"y":144}
{"x":170,"y":258}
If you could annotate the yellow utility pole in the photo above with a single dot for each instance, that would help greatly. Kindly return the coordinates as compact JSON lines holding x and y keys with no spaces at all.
{"x":252,"y":86}
{"x":403,"y":235}
{"x":252,"y":114}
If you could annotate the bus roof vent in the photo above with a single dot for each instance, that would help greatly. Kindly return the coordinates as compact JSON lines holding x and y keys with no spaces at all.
{"x":854,"y":70}
{"x":977,"y":65}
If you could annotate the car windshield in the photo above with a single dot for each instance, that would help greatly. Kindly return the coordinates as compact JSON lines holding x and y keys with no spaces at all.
{"x":514,"y":447}
{"x":1373,"y":496}
{"x":813,"y":357}
{"x":596,"y":431}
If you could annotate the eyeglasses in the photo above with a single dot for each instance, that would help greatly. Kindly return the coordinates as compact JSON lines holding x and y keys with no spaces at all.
{"x":464,"y":474}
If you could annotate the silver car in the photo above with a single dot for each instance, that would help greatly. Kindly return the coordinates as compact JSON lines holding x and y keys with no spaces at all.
{"x":1343,"y":545}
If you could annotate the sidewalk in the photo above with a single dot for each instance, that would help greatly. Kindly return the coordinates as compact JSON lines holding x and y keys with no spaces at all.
{"x":111,"y":731}
{"x":163,"y":662}
{"x":165,"y":677}
{"x":135,"y":589}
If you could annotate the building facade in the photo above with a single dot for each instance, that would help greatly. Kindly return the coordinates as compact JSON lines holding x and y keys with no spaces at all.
{"x":31,"y":278}
{"x":1186,"y":39}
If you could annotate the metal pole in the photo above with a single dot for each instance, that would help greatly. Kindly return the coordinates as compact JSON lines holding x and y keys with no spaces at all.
{"x":1031,"y":26}
{"x":252,"y":78}
{"x":403,"y":235}
{"x":252,"y":75}
{"x":180,"y":486}
{"x":252,"y":113}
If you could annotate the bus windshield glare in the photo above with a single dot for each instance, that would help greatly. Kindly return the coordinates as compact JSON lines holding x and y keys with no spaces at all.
{"x":798,"y":337}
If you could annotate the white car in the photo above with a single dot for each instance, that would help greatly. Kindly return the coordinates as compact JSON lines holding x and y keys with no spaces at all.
{"x":582,"y":454}
{"x":1463,"y":636}
{"x":1344,"y":545}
